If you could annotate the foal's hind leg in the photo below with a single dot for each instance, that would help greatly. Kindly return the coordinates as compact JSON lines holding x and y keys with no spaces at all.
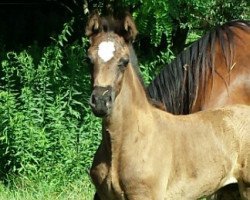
{"x":244,"y":190}
{"x":229,"y":192}
{"x":244,"y":182}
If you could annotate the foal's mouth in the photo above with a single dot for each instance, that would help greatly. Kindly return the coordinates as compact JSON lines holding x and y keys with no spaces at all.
{"x":101,"y":111}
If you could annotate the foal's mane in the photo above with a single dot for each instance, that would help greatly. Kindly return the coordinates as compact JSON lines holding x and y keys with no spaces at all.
{"x":178,"y":82}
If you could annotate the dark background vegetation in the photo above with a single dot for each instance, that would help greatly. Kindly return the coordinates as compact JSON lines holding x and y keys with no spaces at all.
{"x":47,"y":131}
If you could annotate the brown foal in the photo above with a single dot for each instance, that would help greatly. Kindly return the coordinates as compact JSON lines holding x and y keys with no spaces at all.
{"x":147,"y":153}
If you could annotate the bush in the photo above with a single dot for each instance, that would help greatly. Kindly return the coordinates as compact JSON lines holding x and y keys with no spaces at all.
{"x":47,"y":130}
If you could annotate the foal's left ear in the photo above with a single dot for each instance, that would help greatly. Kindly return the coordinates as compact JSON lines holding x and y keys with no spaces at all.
{"x":129,"y":31}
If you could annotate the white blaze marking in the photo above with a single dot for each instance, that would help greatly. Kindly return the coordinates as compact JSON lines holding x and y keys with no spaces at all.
{"x":106,"y":50}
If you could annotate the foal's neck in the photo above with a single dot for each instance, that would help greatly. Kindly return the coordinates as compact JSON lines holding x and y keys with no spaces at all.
{"x":130,"y":102}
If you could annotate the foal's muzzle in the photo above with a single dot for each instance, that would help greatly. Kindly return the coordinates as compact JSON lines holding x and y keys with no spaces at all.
{"x":101,"y":100}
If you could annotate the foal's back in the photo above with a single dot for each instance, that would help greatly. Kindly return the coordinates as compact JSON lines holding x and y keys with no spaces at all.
{"x":210,"y":149}
{"x":227,"y":128}
{"x":231,"y":121}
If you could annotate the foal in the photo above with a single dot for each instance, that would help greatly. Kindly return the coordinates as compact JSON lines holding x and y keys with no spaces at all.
{"x":149,"y":154}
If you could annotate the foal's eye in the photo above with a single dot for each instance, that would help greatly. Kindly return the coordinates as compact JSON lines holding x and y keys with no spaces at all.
{"x":123,"y":62}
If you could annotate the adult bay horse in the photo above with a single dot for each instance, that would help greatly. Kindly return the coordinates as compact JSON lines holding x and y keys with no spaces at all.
{"x":147,"y":153}
{"x":214,"y":71}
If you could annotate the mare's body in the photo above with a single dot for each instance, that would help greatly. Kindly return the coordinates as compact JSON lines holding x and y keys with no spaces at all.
{"x":213,"y":72}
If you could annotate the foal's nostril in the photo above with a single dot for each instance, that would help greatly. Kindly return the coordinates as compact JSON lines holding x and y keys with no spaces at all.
{"x":108,"y":101}
{"x":92,"y":101}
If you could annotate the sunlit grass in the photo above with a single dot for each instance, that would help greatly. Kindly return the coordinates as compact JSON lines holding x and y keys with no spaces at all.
{"x":40,"y":190}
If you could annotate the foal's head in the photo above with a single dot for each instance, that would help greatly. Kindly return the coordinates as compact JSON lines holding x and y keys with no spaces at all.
{"x":109,"y":53}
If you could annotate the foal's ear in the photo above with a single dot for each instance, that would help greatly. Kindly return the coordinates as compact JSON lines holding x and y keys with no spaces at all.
{"x":94,"y":24}
{"x":130,"y":30}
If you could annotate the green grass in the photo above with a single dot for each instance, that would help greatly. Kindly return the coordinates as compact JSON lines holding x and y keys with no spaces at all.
{"x":41,"y":190}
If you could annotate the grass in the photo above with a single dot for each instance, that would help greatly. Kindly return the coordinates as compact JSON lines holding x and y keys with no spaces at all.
{"x":81,"y":189}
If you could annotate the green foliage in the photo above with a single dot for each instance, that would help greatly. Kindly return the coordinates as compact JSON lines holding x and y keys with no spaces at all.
{"x":164,"y":17}
{"x":47,"y":130}
{"x":150,"y":68}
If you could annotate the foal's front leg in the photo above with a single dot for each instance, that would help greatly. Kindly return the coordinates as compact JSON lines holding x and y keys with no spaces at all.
{"x":96,"y":197}
{"x":139,"y":197}
{"x":246,"y":193}
{"x":141,"y":193}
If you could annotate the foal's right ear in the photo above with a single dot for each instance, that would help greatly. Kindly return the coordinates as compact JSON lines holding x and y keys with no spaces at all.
{"x":94,"y":24}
